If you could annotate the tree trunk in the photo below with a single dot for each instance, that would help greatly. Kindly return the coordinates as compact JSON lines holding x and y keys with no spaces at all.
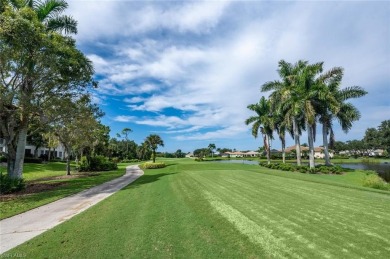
{"x":49,"y":155}
{"x":283,"y":151}
{"x":154,"y":155}
{"x":17,"y":172}
{"x":325,"y":143}
{"x":297,"y":142}
{"x":267,"y":148}
{"x":311,"y":145}
{"x":67,"y":166}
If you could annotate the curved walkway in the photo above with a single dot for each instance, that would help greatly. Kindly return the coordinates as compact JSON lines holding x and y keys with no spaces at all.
{"x":23,"y":227}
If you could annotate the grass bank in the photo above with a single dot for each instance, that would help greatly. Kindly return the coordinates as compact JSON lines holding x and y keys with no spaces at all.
{"x":47,"y":183}
{"x":211,"y":210}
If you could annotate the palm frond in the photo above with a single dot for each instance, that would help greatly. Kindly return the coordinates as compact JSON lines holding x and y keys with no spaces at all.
{"x":351,"y":92}
{"x":63,"y":23}
{"x":49,"y":8}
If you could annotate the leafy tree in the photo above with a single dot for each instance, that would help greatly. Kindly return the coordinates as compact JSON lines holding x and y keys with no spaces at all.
{"x":372,"y":139}
{"x":37,"y":66}
{"x":153,"y":141}
{"x":125,"y":133}
{"x":384,"y":133}
{"x":201,"y":152}
{"x":78,"y":127}
{"x":179,"y":154}
{"x":263,"y":122}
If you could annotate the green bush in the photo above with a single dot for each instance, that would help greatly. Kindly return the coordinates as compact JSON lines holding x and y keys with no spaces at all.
{"x":149,"y":165}
{"x":10,"y":185}
{"x":304,"y":169}
{"x":32,"y":160}
{"x":96,"y":163}
{"x":373,"y":180}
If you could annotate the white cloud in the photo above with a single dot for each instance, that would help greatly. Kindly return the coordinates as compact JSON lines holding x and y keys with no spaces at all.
{"x":123,"y":118}
{"x":208,"y":59}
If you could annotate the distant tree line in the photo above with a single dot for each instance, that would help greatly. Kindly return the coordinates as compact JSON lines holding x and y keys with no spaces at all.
{"x":374,"y":138}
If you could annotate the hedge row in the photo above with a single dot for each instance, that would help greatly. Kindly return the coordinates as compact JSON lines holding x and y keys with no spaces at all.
{"x":305,"y":169}
{"x":149,"y":165}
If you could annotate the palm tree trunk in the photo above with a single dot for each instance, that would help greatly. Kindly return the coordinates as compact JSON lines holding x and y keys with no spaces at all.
{"x":154,"y":156}
{"x":283,"y":150}
{"x":311,"y":145}
{"x":297,"y":142}
{"x":325,"y":143}
{"x":268,"y":150}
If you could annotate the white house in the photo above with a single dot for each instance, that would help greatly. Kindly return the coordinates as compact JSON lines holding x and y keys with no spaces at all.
{"x":318,"y":151}
{"x":58,"y":152}
{"x":190,"y":155}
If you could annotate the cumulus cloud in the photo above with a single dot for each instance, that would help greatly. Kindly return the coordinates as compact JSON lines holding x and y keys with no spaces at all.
{"x":208,"y":59}
{"x":123,"y":118}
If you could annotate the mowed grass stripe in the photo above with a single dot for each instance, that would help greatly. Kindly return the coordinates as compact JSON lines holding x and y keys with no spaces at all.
{"x":368,"y":232}
{"x":326,"y":225}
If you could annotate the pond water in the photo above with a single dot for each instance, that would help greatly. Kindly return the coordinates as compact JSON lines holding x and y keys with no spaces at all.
{"x":383,"y":169}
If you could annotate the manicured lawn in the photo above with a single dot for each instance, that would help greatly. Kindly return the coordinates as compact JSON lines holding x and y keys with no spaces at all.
{"x":210,"y":210}
{"x":50,"y":183}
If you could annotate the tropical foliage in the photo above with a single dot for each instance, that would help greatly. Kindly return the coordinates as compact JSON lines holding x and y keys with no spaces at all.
{"x":153,"y":141}
{"x":303,"y":97}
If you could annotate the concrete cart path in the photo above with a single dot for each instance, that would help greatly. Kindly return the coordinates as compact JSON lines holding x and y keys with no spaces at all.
{"x":20,"y":228}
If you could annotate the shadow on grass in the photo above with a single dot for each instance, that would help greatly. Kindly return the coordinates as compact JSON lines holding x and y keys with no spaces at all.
{"x":146,"y":179}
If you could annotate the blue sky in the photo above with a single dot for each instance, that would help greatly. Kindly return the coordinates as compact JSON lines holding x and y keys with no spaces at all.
{"x":187,"y":70}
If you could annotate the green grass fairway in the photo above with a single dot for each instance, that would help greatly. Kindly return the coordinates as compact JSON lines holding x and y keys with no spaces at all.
{"x":210,"y":210}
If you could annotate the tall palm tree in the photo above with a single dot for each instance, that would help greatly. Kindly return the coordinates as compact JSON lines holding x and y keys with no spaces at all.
{"x":286,"y":99}
{"x":49,"y":12}
{"x":310,"y":92}
{"x":344,"y":112}
{"x":154,"y":141}
{"x":263,"y":122}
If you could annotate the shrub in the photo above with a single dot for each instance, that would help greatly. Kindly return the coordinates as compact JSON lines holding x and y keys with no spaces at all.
{"x":149,"y":165}
{"x":3,"y":159}
{"x":96,"y":163}
{"x":304,"y":169}
{"x":375,"y":181}
{"x":32,"y":160}
{"x":9,"y":185}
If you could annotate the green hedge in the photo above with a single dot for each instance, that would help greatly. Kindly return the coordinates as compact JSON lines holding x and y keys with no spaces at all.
{"x":149,"y":165}
{"x":304,"y":169}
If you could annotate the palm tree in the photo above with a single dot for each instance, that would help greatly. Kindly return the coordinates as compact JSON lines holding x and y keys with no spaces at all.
{"x":263,"y":122}
{"x":126,"y":132}
{"x":286,"y":100}
{"x":49,"y":12}
{"x":211,"y":147}
{"x":310,"y":92}
{"x":345,"y":113}
{"x":154,"y":141}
